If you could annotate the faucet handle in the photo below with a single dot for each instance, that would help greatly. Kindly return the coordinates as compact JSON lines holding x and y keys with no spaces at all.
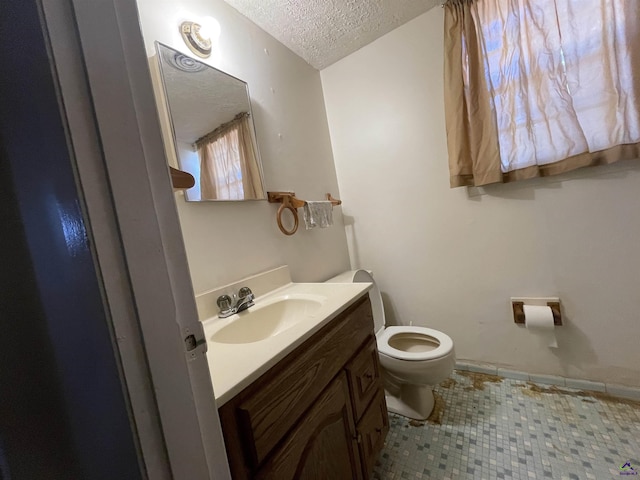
{"x":224,"y":304}
{"x":244,"y":292}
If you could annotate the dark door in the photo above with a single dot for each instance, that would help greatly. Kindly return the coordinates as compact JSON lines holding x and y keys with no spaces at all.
{"x":63,"y":408}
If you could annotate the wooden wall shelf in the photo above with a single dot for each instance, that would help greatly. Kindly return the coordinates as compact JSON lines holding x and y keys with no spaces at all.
{"x":181,"y":180}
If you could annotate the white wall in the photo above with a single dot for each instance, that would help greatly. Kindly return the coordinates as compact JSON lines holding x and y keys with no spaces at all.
{"x":451,"y":262}
{"x":228,"y":241}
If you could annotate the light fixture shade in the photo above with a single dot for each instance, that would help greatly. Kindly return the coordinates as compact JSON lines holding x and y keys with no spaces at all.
{"x":197,"y":43}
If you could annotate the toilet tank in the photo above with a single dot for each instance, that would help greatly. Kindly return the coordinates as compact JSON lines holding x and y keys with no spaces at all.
{"x":365,"y":276}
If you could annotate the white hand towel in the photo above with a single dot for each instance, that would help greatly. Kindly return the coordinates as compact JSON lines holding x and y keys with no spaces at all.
{"x":318,"y":214}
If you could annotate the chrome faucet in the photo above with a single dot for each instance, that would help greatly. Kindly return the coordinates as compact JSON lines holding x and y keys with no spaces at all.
{"x":245,"y":299}
{"x":240,"y":302}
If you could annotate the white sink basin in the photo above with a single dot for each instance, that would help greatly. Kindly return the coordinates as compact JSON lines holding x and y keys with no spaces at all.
{"x":268,"y":319}
{"x":243,"y":346}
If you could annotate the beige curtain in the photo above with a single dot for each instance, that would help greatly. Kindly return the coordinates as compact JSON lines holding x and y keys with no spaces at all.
{"x":252,"y":179}
{"x":229,"y":168}
{"x":539,"y":88}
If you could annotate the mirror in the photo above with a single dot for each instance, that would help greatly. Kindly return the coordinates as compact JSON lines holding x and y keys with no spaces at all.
{"x":213,"y":130}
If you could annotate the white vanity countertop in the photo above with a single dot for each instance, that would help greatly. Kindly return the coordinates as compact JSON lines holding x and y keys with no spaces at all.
{"x":233,"y":366}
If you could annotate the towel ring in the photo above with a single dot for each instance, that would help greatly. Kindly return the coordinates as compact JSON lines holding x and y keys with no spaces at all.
{"x":289,"y":201}
{"x":294,"y":211}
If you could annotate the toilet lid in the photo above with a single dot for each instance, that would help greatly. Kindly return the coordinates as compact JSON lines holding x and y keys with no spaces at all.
{"x":414,"y":343}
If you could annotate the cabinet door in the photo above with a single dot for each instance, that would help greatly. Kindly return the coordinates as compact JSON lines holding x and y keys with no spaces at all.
{"x":372,"y":429}
{"x":323,"y":445}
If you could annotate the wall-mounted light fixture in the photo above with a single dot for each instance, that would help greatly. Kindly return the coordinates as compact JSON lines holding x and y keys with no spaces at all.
{"x":197,"y":38}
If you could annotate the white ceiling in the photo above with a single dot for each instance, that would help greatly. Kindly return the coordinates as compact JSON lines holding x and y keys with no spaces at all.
{"x":324,"y":31}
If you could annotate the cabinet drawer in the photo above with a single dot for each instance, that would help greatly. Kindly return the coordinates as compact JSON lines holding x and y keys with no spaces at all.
{"x":372,"y":430}
{"x":323,"y":445}
{"x":272,"y":405}
{"x":363,"y":373}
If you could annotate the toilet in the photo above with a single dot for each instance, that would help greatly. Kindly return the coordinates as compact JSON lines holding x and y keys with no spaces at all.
{"x":413,"y":359}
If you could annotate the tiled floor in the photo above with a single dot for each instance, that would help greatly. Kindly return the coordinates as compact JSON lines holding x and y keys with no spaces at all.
{"x":486,"y":427}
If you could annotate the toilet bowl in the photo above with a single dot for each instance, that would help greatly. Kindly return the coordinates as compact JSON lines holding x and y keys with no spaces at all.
{"x":413,"y":359}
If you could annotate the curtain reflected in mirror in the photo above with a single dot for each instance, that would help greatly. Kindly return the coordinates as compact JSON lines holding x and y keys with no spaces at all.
{"x":213,"y":129}
{"x":228,"y":165}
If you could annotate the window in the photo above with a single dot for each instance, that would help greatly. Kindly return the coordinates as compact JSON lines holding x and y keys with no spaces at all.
{"x":536,"y":88}
{"x":223,"y":153}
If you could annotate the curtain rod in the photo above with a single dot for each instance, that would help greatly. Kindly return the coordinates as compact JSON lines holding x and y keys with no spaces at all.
{"x":222,"y":128}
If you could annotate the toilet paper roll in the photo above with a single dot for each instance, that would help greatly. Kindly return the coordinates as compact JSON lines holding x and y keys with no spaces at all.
{"x":539,"y":320}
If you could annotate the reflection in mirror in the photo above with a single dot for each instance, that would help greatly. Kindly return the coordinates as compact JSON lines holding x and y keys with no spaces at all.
{"x":213,"y":129}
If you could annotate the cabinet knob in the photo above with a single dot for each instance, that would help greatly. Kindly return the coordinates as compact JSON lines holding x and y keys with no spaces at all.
{"x":358,"y":438}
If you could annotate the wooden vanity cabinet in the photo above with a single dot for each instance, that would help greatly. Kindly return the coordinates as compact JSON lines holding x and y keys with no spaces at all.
{"x":319,"y":413}
{"x":323,"y":445}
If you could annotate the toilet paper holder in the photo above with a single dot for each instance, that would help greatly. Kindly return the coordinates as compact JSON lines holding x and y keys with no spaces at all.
{"x":518,"y":312}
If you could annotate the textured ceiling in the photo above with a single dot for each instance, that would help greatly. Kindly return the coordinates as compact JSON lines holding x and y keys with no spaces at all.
{"x":324,"y":31}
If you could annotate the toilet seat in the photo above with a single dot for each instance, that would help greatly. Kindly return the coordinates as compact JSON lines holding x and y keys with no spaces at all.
{"x":419,"y":333}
